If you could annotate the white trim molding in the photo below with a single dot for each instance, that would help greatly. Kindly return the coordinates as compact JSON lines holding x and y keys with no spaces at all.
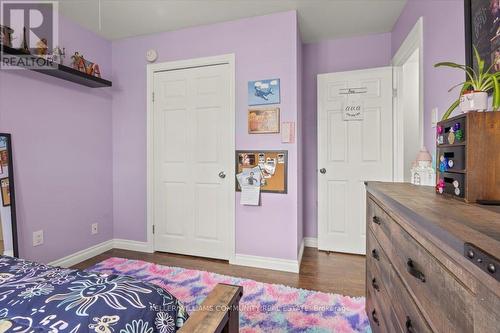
{"x":228,"y":59}
{"x":277,"y":264}
{"x":83,"y":255}
{"x":311,"y":242}
{"x":414,"y":41}
{"x":125,"y":244}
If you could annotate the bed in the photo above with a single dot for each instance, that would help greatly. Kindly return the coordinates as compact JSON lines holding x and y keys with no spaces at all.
{"x":41,"y":298}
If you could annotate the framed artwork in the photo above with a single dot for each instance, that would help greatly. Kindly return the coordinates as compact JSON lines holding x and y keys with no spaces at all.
{"x":482,"y":30}
{"x":264,"y":92}
{"x":5,"y":188}
{"x":263,"y":120}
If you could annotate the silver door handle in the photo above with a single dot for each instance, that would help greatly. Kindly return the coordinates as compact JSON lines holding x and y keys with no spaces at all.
{"x":322,"y":170}
{"x":222,"y":174}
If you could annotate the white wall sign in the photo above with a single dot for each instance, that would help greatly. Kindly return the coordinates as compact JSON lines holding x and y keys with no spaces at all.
{"x":353,"y":111}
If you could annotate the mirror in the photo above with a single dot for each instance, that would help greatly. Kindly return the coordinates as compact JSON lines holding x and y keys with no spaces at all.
{"x":8,"y":223}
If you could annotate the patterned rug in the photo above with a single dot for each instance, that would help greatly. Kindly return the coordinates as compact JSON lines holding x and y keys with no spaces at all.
{"x":263,"y":308}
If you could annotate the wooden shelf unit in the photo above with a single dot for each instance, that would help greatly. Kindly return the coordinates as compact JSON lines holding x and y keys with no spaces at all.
{"x":60,"y":71}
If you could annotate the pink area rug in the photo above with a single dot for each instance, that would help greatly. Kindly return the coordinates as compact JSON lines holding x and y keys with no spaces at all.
{"x":263,"y":308}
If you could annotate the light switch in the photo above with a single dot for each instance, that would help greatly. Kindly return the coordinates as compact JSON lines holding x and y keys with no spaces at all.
{"x":434,"y":117}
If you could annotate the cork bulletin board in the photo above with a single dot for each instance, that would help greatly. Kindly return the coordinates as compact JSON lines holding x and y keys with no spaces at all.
{"x":274,"y":182}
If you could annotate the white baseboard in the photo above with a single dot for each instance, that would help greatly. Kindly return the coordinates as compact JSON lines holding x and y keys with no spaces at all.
{"x":311,"y":242}
{"x":125,"y":244}
{"x":277,"y":264}
{"x":83,"y":255}
{"x":95,"y":250}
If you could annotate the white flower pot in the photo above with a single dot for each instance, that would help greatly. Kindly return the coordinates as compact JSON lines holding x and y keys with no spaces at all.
{"x":474,"y":101}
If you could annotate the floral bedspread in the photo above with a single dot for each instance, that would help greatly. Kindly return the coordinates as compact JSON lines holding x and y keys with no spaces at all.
{"x":41,"y":298}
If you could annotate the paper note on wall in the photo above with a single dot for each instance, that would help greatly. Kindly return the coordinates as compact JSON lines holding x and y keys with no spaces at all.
{"x":288,"y":132}
{"x":250,"y":181}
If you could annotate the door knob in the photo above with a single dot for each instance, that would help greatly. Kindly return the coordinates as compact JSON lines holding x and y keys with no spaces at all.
{"x":222,"y":174}
{"x":322,"y":170}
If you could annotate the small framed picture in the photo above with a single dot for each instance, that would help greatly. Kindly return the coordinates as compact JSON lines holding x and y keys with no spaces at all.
{"x":264,"y":120}
{"x":263,"y":92}
{"x":5,"y":188}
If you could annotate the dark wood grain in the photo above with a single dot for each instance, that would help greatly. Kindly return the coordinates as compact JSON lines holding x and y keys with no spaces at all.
{"x":218,"y":312}
{"x":483,"y":156}
{"x":479,"y":176}
{"x":455,"y":295}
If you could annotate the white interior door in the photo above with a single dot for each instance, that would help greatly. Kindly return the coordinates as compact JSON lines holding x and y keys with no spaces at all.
{"x":351,"y":152}
{"x":193,"y":161}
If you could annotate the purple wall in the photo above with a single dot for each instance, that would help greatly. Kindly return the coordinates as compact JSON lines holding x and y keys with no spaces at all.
{"x":326,"y":57}
{"x":444,"y":40}
{"x":265,"y":47}
{"x":61,"y":135}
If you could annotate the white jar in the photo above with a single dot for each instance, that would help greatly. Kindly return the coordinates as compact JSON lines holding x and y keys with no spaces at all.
{"x":474,"y":101}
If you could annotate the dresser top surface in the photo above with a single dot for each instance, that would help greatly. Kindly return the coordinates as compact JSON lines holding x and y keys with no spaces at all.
{"x":450,"y":221}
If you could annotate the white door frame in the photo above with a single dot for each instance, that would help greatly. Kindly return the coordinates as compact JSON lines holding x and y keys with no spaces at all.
{"x":414,"y":41}
{"x":151,"y":69}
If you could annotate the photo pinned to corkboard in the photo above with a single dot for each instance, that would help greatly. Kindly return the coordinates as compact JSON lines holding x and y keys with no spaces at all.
{"x":273,"y":165}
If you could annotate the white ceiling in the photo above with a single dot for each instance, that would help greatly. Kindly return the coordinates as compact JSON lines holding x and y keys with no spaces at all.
{"x":318,"y":19}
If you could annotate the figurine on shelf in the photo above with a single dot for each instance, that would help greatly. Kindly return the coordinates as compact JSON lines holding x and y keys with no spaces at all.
{"x":41,"y":47}
{"x":6,"y":35}
{"x":24,"y":44}
{"x":422,"y":172}
{"x":58,"y":55}
{"x":78,"y":62}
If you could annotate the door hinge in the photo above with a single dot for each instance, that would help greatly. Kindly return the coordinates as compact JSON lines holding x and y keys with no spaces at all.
{"x":153,"y":97}
{"x":153,"y":229}
{"x":394,"y":92}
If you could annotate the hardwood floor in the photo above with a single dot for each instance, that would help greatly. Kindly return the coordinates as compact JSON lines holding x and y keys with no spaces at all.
{"x":333,"y":273}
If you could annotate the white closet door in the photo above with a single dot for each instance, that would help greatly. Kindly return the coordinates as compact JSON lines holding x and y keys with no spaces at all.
{"x":193,"y":161}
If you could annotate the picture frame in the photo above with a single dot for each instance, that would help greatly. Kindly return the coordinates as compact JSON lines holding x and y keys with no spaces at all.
{"x":482,"y":29}
{"x":5,"y":189}
{"x":7,"y":186}
{"x":263,"y":120}
{"x":264,"y":92}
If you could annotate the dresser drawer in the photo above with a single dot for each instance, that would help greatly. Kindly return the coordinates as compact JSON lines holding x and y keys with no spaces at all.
{"x":403,"y":310}
{"x":378,"y":221}
{"x":446,"y":303}
{"x":376,"y":309}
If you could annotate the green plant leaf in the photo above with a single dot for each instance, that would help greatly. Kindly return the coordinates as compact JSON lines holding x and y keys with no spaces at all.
{"x":448,"y":112}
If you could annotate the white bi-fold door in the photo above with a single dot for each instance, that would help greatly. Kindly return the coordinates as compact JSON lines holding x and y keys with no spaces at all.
{"x":354,"y":145}
{"x":193,"y":133}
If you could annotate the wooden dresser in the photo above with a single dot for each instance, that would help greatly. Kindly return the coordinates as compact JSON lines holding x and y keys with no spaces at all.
{"x":431,"y":263}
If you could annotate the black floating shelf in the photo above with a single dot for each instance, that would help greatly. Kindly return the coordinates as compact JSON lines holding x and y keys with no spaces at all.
{"x":62,"y":72}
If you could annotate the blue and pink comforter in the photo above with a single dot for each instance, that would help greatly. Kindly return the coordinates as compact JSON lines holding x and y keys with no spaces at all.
{"x":41,"y":298}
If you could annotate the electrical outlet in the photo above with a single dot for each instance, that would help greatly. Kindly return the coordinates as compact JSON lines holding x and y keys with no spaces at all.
{"x":94,"y":228}
{"x":38,"y":238}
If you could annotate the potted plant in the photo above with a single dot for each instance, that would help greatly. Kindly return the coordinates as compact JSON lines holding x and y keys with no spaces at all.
{"x":474,"y":92}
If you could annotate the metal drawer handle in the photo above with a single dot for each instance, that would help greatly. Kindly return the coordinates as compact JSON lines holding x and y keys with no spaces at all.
{"x":376,"y":220}
{"x":410,"y":267}
{"x":375,"y":284}
{"x":375,"y":318}
{"x":409,"y":325}
{"x":375,"y":254}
